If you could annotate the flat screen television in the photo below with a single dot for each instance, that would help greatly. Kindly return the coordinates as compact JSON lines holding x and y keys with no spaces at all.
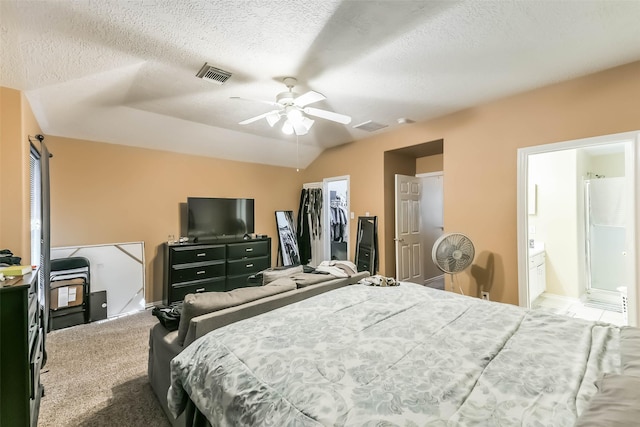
{"x":219,"y":217}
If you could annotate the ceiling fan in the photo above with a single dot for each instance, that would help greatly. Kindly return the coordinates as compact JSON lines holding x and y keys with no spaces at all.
{"x":293,"y":108}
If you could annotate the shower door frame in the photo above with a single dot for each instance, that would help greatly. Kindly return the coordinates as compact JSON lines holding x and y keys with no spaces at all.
{"x":605,"y":296}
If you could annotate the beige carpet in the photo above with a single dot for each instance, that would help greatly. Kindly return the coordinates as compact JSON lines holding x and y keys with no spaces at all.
{"x":96,"y":375}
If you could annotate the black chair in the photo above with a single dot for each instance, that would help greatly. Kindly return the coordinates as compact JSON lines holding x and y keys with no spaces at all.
{"x":70,"y":288}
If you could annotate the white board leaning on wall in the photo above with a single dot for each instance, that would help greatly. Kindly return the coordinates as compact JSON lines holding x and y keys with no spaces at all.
{"x":117,"y":268}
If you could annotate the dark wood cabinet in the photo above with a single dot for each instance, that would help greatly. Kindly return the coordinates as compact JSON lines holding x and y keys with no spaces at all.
{"x":21,"y":351}
{"x":200,"y":267}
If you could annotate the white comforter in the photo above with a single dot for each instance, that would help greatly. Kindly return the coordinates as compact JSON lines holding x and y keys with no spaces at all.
{"x":395,"y":356}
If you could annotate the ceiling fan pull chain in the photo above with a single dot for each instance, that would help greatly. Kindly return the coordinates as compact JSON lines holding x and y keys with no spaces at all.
{"x":297,"y":154}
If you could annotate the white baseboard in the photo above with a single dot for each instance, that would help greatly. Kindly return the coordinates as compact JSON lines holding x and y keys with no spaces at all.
{"x":152,"y":304}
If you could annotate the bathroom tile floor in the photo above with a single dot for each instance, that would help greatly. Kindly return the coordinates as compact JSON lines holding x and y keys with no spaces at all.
{"x":573,"y":307}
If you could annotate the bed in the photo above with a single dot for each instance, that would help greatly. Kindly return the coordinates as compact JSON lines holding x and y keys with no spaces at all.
{"x":395,"y":356}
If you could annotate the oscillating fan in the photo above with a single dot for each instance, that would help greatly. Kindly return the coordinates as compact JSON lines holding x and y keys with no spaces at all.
{"x":452,"y":253}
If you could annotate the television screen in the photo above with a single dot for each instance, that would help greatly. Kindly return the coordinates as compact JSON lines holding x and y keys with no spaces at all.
{"x":213,"y":217}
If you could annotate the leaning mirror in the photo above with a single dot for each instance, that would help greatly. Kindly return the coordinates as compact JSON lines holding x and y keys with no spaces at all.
{"x":287,"y":242}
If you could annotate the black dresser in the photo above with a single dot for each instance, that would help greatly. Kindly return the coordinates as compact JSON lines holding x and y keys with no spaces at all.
{"x":217,"y":266}
{"x":21,"y":351}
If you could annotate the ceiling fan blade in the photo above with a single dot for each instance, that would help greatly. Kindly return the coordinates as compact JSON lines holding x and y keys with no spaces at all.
{"x":262,"y":101}
{"x":256,"y":118}
{"x":329,"y":115}
{"x":273,"y":118}
{"x":308,"y":98}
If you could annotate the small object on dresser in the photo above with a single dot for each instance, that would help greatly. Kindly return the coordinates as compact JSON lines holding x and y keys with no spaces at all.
{"x":16,"y":270}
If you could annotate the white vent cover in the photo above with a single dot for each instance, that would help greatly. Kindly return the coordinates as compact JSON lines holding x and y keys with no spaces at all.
{"x":213,"y":74}
{"x":370,"y":126}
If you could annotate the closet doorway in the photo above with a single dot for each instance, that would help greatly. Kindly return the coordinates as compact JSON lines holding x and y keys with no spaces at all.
{"x":336,"y":217}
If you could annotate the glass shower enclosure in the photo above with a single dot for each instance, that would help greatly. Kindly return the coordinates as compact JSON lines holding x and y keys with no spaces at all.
{"x":606,"y":235}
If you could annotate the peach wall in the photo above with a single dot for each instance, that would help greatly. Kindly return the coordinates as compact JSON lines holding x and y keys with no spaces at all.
{"x":17,"y":123}
{"x":133,"y":194}
{"x":480,"y":148}
{"x":429,"y":163}
{"x":106,"y":193}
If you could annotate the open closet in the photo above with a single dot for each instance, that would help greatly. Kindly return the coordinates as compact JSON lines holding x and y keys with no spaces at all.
{"x":323,"y":221}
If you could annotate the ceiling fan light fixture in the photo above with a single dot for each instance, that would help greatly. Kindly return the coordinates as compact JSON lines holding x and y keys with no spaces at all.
{"x":294,"y":115}
{"x":287,"y":128}
{"x":300,"y":129}
{"x":307,"y":122}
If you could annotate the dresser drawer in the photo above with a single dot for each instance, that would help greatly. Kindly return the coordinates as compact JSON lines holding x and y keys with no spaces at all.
{"x":364,"y":261}
{"x":34,"y":329}
{"x":188,"y":254}
{"x":197,"y":271}
{"x":240,"y":281}
{"x":214,"y":285}
{"x":33,"y":309}
{"x":34,"y":367}
{"x":248,"y":249}
{"x":536,"y":260}
{"x":247,"y":265}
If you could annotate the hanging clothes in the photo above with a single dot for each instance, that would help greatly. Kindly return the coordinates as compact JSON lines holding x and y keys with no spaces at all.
{"x":338,"y":224}
{"x":309,"y":221}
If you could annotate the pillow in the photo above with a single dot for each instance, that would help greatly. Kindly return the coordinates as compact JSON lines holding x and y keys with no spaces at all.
{"x":615,"y":404}
{"x":207,"y":302}
{"x":270,"y":275}
{"x":630,"y":351}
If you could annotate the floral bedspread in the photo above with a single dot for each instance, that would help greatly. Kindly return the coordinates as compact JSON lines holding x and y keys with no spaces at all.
{"x":395,"y":356}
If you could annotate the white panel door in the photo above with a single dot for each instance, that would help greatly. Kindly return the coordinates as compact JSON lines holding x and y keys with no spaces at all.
{"x":409,"y":246}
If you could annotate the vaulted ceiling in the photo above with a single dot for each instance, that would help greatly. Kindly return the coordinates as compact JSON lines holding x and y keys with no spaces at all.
{"x":124,"y":72}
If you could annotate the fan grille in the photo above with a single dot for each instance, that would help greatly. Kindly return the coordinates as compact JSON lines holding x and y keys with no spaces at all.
{"x":453,"y":253}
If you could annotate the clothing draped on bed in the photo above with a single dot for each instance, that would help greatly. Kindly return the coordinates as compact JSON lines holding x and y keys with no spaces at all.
{"x":405,"y":355}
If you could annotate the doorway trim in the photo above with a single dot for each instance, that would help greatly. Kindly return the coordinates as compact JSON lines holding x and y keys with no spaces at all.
{"x":632,"y":142}
{"x":326,"y":213}
{"x":440,"y":278}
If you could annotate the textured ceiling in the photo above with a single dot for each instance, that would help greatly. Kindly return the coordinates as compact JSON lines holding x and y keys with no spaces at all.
{"x":124,"y":71}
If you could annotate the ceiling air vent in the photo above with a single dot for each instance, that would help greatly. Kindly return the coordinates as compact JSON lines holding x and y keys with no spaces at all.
{"x":213,"y":74}
{"x":370,"y":126}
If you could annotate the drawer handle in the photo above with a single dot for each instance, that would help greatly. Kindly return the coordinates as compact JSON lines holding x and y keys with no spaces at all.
{"x":249,"y":265}
{"x":249,"y":249}
{"x":201,"y":272}
{"x":202,"y":254}
{"x":200,"y":290}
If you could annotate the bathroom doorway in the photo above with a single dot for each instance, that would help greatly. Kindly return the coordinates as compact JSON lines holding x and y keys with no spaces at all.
{"x":576,"y":236}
